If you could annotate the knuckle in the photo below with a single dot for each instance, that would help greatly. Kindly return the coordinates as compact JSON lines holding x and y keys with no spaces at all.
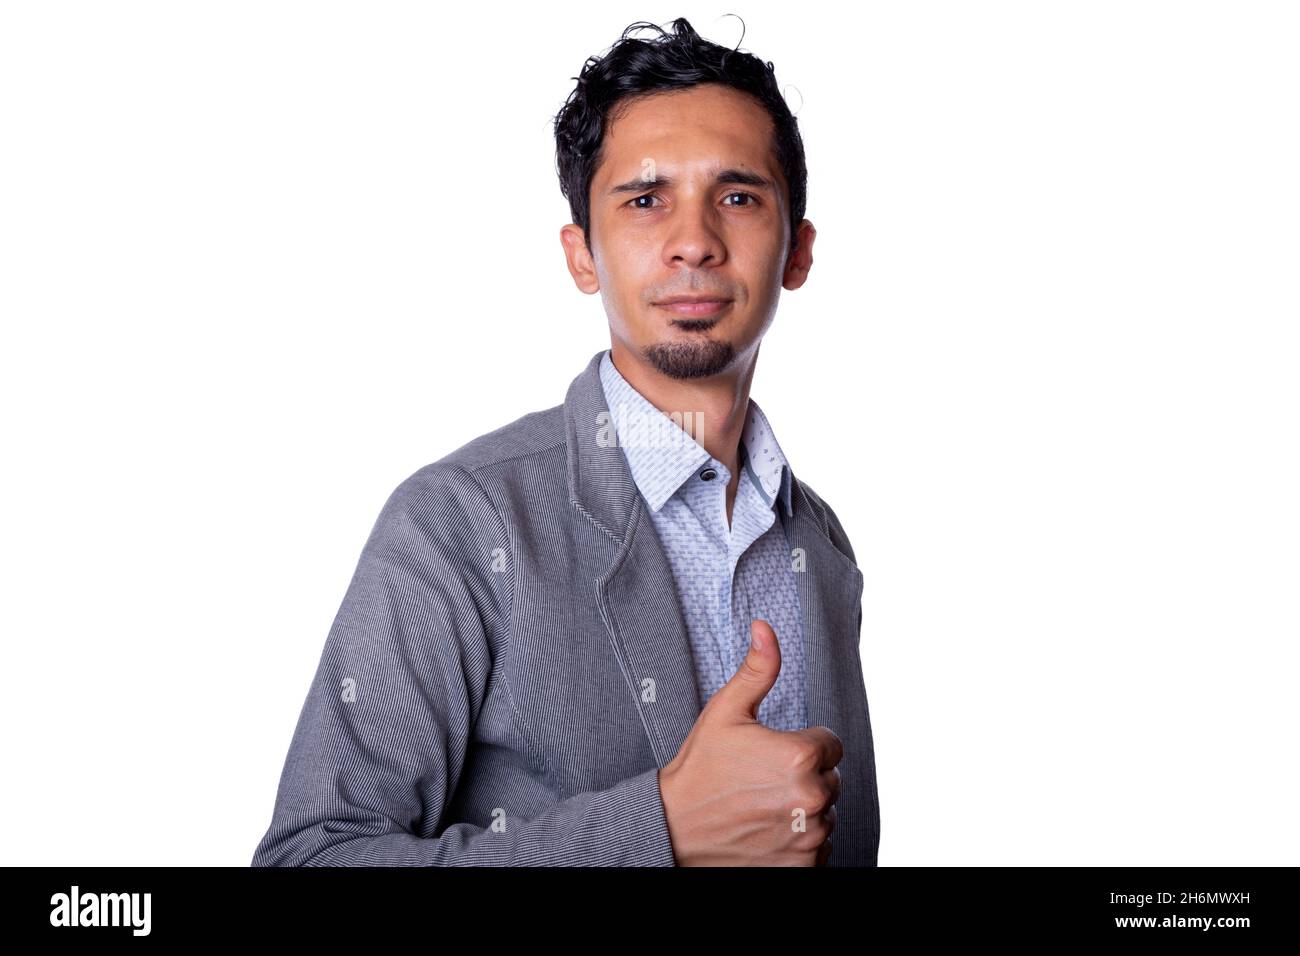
{"x":810,"y":840}
{"x":804,"y":755}
{"x":812,"y":801}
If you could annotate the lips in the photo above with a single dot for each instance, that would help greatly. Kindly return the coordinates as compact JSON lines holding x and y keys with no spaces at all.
{"x":693,"y":308}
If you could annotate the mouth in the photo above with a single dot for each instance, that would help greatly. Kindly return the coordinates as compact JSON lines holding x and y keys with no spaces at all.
{"x":694,"y":308}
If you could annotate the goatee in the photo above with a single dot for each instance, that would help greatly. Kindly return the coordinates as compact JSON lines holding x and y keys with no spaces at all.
{"x":698,"y":358}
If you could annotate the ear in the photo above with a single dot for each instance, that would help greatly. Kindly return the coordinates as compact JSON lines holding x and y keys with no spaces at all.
{"x":579,"y":259}
{"x":800,"y":260}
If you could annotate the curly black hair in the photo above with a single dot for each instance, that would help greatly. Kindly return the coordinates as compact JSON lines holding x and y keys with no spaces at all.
{"x":670,"y":61}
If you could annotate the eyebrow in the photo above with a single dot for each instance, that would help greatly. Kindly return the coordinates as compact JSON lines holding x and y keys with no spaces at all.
{"x":730,"y":177}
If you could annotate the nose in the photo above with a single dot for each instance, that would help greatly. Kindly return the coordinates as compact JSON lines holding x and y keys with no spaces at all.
{"x":693,"y":238}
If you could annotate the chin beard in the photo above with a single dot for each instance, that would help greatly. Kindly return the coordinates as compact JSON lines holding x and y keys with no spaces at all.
{"x":694,"y":359}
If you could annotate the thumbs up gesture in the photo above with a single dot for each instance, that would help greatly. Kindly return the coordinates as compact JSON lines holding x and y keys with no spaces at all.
{"x":741,"y":794}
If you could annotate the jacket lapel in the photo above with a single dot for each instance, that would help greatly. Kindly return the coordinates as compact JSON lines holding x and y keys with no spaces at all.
{"x":830,"y":593}
{"x":830,"y":597}
{"x":636,"y":593}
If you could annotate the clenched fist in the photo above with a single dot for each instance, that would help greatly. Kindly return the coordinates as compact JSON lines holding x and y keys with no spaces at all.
{"x":741,"y":794}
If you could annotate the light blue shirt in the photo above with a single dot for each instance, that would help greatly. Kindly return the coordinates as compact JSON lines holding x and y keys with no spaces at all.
{"x":726,"y":576}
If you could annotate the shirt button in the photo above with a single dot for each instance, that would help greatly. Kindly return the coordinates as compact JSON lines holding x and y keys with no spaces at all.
{"x":708,"y":474}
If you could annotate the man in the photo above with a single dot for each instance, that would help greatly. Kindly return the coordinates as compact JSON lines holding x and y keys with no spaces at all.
{"x":545,"y":657}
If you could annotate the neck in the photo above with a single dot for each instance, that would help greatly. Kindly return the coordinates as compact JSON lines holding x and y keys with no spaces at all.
{"x":716,"y":407}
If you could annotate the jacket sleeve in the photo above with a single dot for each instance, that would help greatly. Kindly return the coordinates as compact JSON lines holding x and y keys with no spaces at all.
{"x":382,"y":739}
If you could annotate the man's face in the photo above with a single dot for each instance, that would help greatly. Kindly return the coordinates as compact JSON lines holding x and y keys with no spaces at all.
{"x":689,"y":201}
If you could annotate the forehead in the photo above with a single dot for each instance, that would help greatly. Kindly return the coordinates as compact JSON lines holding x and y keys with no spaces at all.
{"x":702,"y":124}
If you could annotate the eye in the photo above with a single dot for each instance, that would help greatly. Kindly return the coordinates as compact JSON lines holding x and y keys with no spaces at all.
{"x":750,"y":197}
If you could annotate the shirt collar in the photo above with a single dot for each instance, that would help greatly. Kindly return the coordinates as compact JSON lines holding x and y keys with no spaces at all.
{"x":660,"y":467}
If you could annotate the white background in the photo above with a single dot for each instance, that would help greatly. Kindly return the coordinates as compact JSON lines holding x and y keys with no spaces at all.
{"x":261,"y":261}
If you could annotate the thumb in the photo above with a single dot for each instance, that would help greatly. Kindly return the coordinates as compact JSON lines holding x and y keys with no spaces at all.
{"x":741,"y":696}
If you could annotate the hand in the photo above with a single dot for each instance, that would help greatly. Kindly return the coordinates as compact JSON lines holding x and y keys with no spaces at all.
{"x":732,"y":793}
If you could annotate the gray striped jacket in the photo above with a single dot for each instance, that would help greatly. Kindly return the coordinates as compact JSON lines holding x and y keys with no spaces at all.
{"x":509,"y":668}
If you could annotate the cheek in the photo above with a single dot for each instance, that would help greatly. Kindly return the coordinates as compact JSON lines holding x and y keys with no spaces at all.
{"x":635,"y":250}
{"x":761,"y":263}
{"x":630,"y":267}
